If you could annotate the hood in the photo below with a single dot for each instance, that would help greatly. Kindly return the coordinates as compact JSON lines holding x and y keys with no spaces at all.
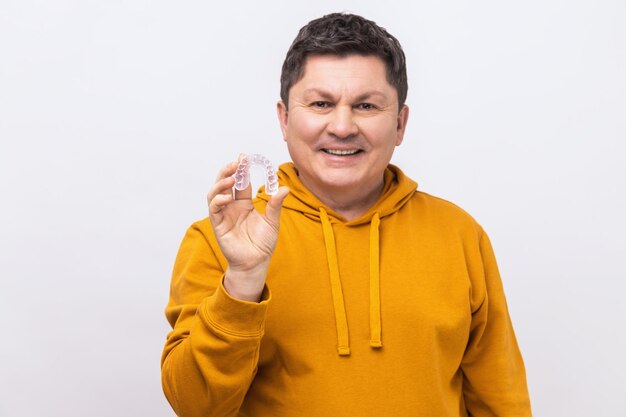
{"x":397,"y":190}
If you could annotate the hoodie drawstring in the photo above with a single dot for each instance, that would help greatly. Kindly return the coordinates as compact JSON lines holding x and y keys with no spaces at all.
{"x":341,"y":321}
{"x":375,"y":326}
{"x":343,"y":342}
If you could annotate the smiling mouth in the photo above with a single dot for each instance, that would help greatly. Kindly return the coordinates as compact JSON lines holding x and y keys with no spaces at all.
{"x":342,"y":152}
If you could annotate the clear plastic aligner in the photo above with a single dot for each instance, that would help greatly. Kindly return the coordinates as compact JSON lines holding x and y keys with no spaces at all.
{"x":242,"y":175}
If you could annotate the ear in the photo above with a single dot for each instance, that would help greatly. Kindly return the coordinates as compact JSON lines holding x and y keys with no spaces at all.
{"x":283,"y":117}
{"x":403,"y":118}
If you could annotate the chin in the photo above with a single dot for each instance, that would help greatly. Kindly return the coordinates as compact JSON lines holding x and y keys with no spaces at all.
{"x":340,"y":182}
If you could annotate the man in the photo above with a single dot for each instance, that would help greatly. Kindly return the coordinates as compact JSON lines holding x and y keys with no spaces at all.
{"x":348,"y":292}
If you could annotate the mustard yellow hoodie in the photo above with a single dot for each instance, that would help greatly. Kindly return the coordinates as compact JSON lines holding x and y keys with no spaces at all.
{"x":400,"y":312}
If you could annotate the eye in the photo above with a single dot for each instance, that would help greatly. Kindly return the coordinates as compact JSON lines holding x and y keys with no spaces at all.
{"x":366,"y":106}
{"x":320,"y":104}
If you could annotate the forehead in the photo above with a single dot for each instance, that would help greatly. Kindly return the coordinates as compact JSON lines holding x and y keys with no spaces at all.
{"x":334,"y":70}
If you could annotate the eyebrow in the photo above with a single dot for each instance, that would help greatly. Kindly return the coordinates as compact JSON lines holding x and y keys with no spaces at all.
{"x":328,"y":96}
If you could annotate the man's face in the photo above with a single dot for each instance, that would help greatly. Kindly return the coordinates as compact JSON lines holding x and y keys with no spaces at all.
{"x":342,"y":124}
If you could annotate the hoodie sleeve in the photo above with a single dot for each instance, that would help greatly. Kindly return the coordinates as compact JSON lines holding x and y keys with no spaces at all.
{"x":494,"y":375}
{"x":211,"y":355}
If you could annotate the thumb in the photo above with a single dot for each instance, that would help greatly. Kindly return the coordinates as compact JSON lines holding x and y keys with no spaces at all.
{"x":272,"y":210}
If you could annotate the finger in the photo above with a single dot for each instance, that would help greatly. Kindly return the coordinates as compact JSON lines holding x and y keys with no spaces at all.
{"x":217,"y":204}
{"x":226,"y":171}
{"x":223,"y":182}
{"x":274,"y":205}
{"x":222,"y":187}
{"x":245,"y":194}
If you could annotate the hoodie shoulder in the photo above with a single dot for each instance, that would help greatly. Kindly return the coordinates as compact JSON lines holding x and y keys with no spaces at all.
{"x":445,"y":211}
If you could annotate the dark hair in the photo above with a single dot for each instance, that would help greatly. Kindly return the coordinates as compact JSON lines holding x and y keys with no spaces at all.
{"x":344,"y":34}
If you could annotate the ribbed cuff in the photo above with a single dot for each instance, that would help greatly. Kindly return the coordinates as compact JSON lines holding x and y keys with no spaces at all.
{"x":234,"y":316}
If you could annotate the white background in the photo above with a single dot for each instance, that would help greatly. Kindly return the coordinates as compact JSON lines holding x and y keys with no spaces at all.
{"x":115,"y":117}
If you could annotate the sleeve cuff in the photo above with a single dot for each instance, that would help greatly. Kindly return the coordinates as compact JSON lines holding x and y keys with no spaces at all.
{"x":234,"y":316}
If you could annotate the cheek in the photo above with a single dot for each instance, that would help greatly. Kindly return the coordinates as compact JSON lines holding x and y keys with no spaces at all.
{"x":306,"y":127}
{"x":381,"y":133}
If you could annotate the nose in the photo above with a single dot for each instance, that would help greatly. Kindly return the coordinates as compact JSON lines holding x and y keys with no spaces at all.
{"x":341,"y":123}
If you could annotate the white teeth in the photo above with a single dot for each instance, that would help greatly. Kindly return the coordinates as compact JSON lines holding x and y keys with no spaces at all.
{"x":341,"y":152}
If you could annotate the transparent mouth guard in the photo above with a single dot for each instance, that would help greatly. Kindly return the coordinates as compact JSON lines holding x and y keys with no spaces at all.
{"x":242,"y":175}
